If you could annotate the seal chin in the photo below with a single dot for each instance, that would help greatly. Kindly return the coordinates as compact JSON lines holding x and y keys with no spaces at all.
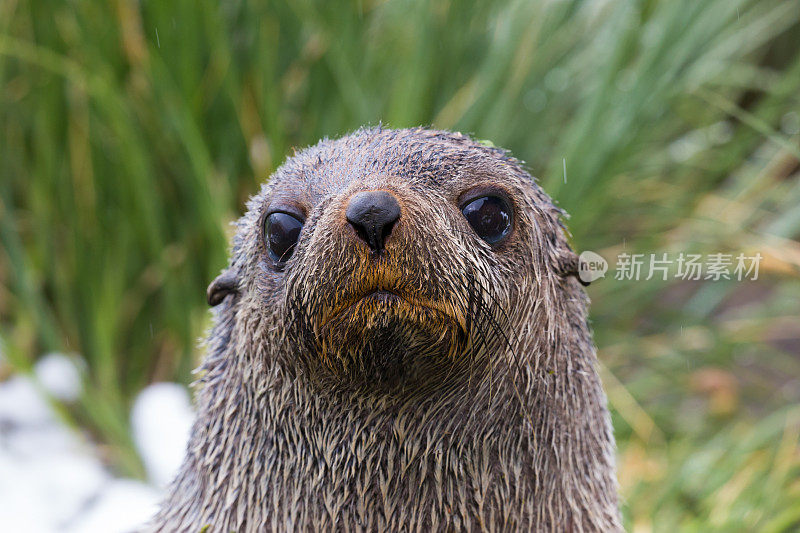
{"x":385,"y":338}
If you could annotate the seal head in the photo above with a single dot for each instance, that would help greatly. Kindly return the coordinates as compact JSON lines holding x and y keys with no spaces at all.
{"x":387,"y":281}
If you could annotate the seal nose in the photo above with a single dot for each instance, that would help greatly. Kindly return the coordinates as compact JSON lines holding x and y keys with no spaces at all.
{"x":373,"y":214}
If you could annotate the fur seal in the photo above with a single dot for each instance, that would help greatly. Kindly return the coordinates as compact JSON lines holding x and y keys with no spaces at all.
{"x":400,"y":343}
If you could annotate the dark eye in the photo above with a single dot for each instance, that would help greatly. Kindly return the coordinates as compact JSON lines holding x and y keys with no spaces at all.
{"x":282,"y":231}
{"x":490,"y":217}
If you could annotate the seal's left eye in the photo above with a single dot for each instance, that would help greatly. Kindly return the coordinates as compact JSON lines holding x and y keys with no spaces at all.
{"x":282,"y":231}
{"x":490,"y":217}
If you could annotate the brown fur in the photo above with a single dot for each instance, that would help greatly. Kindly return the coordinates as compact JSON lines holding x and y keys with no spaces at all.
{"x":471,"y":402}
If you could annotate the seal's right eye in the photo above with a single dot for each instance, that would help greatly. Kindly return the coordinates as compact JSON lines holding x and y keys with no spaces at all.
{"x":281,"y":231}
{"x":490,"y":217}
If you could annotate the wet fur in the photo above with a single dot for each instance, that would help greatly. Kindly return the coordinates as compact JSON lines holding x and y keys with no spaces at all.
{"x":469,"y":402}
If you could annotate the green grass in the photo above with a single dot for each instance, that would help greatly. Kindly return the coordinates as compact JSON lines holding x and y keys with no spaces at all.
{"x":131,"y":133}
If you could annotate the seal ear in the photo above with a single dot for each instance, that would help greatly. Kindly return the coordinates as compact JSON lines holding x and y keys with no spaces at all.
{"x":225,"y":284}
{"x":568,"y":263}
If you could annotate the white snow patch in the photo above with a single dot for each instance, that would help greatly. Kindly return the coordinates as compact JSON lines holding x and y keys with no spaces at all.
{"x":51,"y":479}
{"x":123,"y":505}
{"x":22,"y":404}
{"x":59,"y":375}
{"x":161,"y":419}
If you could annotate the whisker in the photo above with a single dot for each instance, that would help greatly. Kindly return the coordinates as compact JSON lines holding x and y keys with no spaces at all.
{"x":486,"y":311}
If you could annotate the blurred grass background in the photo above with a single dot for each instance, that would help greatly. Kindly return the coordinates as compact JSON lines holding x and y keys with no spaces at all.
{"x":132,"y":132}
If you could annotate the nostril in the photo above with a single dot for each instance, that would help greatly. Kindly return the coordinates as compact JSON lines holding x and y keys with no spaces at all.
{"x":361,"y":232}
{"x":387,"y":229}
{"x":373,"y":214}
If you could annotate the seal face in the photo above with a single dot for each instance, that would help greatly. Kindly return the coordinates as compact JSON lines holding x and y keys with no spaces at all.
{"x":400,"y":343}
{"x":383,"y":283}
